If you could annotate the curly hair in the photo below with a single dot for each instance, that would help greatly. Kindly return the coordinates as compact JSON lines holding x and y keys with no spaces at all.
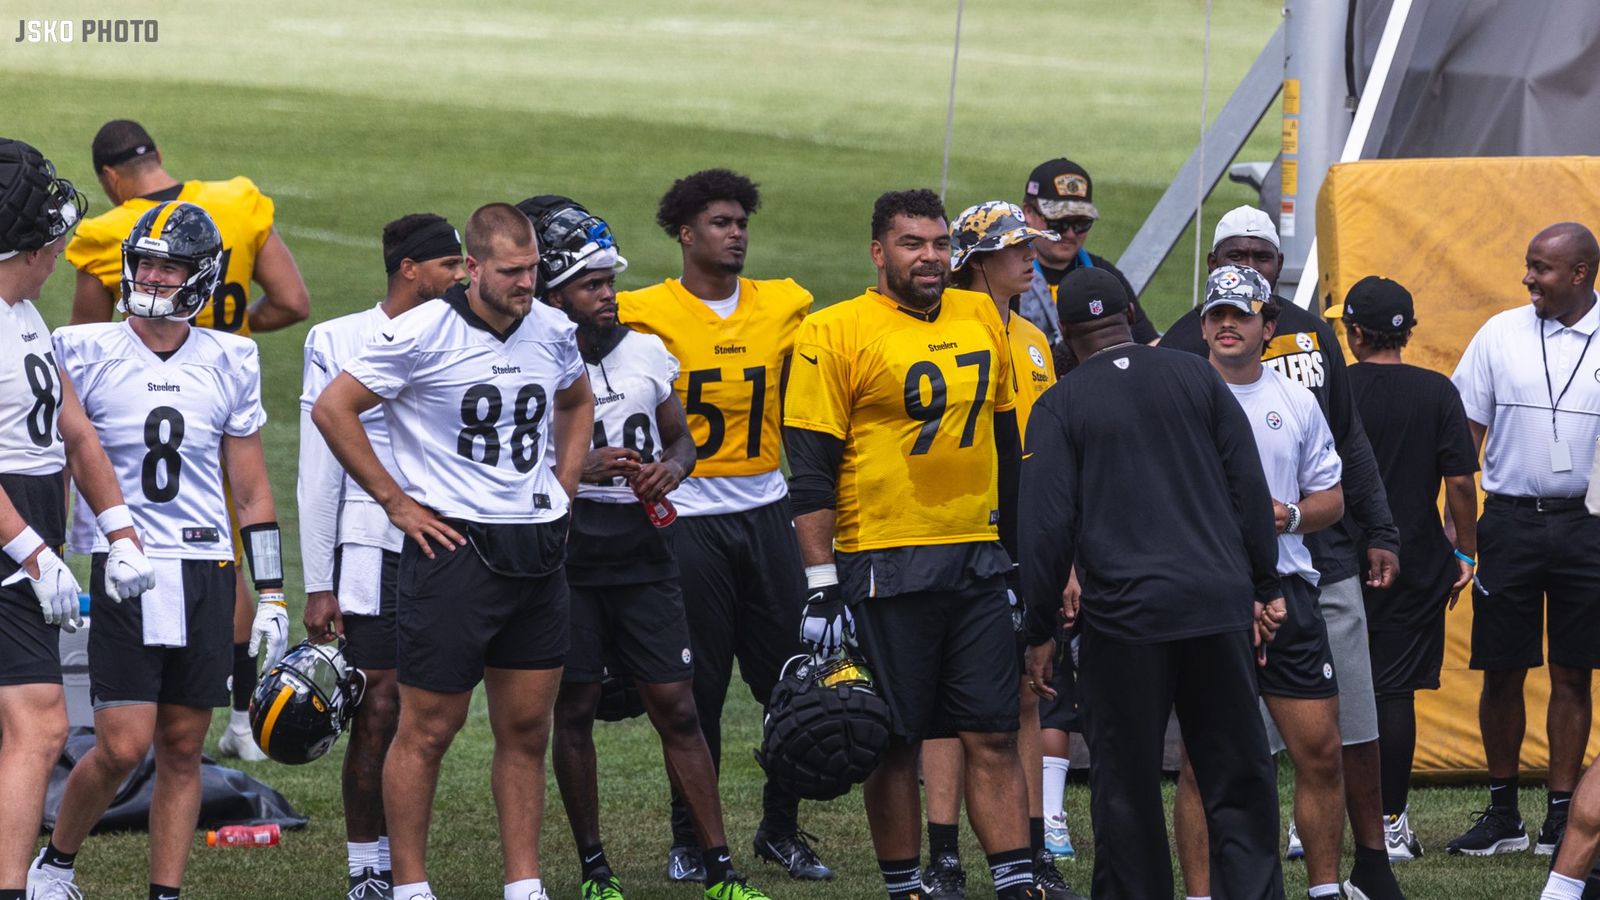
{"x":917,"y":204}
{"x":1383,"y":340}
{"x":691,"y":194}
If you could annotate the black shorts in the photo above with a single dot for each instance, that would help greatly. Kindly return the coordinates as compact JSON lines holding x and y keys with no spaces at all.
{"x":123,"y":670}
{"x":1299,"y":661}
{"x":30,"y":650}
{"x":454,"y":617}
{"x":1061,"y":714}
{"x":1406,"y":661}
{"x":629,"y":629}
{"x":945,"y":661}
{"x":1531,"y":561}
{"x":369,"y":641}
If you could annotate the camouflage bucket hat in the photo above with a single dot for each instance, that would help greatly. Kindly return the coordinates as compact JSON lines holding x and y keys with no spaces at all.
{"x":990,"y":226}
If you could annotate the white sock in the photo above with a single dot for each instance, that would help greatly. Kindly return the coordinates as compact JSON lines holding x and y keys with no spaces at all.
{"x":239,"y":719}
{"x":412,"y":891}
{"x":384,"y":863}
{"x":363,"y":856}
{"x":1206,"y":897}
{"x":1323,"y":890}
{"x":1055,"y":783}
{"x":1560,"y":887}
{"x":526,"y":889}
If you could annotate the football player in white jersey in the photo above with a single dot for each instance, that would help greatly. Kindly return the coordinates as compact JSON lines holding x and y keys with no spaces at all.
{"x":350,"y":551}
{"x":174,"y":406}
{"x":43,"y":433}
{"x":628,"y":618}
{"x":1297,"y":677}
{"x":473,"y":385}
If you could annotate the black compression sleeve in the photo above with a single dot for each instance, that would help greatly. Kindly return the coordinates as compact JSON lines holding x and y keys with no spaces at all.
{"x":814,"y":460}
{"x":1008,"y":451}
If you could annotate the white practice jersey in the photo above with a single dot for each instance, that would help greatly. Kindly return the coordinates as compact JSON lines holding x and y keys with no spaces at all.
{"x":334,"y":509}
{"x":162,"y":423}
{"x":30,"y":394}
{"x":1297,"y":452}
{"x":469,"y":414}
{"x":632,"y":380}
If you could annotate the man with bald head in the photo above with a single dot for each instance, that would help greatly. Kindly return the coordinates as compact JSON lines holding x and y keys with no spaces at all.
{"x":1530,"y":384}
{"x":474,"y":386}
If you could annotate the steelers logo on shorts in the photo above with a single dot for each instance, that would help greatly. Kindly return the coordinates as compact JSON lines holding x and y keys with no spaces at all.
{"x":1327,"y":671}
{"x":687,"y":656}
{"x":1274,"y":421}
{"x":1036,"y":356}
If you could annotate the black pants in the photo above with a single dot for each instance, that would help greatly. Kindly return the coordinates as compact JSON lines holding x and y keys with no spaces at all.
{"x":743,"y":591}
{"x":1127,"y":692}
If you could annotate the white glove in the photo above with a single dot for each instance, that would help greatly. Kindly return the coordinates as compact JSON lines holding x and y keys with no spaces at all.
{"x":128,"y":571}
{"x":55,"y":588}
{"x":271,"y":628}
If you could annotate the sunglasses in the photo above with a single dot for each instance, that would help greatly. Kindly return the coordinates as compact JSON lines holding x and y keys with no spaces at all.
{"x":1075,"y":224}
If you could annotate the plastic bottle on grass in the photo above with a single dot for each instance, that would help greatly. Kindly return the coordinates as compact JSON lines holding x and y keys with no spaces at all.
{"x":244,"y":836}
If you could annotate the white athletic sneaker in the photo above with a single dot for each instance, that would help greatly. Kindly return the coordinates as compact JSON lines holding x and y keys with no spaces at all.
{"x":51,"y":883}
{"x":1295,"y":851}
{"x":1399,"y":839}
{"x":239,"y":743}
{"x":1056,"y":837}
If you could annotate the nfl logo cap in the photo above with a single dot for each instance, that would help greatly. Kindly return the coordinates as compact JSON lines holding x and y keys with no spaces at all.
{"x":1062,"y":188}
{"x":1240,"y":287}
{"x":1088,"y":294}
{"x":1245,"y":221}
{"x":1379,"y":305}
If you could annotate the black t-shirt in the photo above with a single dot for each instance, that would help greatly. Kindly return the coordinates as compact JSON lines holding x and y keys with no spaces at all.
{"x":1142,"y":468}
{"x":1418,"y":430}
{"x":1305,"y":351}
{"x":1144,"y":331}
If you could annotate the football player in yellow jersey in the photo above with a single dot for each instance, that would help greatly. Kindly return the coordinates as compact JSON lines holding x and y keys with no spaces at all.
{"x":134,"y":178}
{"x":741,"y":575}
{"x":901,"y":430}
{"x":993,"y":254}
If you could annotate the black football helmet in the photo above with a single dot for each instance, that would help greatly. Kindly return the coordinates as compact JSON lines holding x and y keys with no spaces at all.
{"x":183,"y":233}
{"x":36,"y":206}
{"x":571,"y":239}
{"x":825,"y":727}
{"x":308,"y":699}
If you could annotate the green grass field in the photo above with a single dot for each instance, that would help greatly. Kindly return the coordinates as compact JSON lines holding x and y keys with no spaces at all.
{"x":351,"y":115}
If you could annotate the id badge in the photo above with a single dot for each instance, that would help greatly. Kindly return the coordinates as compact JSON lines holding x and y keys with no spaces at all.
{"x":1560,"y":455}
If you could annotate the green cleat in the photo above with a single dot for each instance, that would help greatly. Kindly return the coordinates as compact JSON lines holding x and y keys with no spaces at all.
{"x":603,"y":887}
{"x":734,"y":888}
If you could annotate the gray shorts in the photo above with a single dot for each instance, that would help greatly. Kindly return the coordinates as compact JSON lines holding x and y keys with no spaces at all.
{"x":1346,"y":616}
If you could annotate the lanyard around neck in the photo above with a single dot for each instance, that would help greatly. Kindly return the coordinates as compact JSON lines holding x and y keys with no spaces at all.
{"x":1555,"y":399}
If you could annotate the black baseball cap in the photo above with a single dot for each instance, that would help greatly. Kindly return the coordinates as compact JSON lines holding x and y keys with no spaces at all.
{"x":1379,"y":305}
{"x":1088,"y":294}
{"x":1062,"y":188}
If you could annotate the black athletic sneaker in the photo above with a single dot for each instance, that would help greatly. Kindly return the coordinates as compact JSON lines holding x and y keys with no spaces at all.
{"x":1047,"y":878}
{"x":1555,"y":825}
{"x":1494,"y":830}
{"x":371,"y":885}
{"x":944,"y":879}
{"x":793,"y":852}
{"x":686,"y":864}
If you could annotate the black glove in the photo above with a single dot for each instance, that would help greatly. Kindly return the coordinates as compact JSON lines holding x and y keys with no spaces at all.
{"x":826,"y":618}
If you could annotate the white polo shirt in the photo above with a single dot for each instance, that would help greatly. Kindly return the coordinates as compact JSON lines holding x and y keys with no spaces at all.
{"x":1502,"y":380}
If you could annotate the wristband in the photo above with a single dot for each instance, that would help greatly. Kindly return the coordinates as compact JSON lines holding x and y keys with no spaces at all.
{"x":822,"y":576}
{"x":272,"y":598}
{"x":263,"y":550}
{"x":1293,"y":525}
{"x":114,"y":518}
{"x":1466,"y":559}
{"x":22,"y":546}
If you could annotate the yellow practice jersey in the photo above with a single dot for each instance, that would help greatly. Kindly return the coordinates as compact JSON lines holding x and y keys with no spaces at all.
{"x":1033,"y":369}
{"x":914,"y":402}
{"x":244,"y":217}
{"x":729,"y":369}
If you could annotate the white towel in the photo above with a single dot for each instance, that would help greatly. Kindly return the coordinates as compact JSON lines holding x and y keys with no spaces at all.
{"x":165,"y":620}
{"x":360,"y":579}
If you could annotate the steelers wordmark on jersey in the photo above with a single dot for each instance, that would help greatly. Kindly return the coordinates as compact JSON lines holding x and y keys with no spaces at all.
{"x":243,"y":216}
{"x":30,"y":394}
{"x":629,"y":383}
{"x":469,"y":412}
{"x":162,"y":422}
{"x":731,"y":368}
{"x":914,"y":402}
